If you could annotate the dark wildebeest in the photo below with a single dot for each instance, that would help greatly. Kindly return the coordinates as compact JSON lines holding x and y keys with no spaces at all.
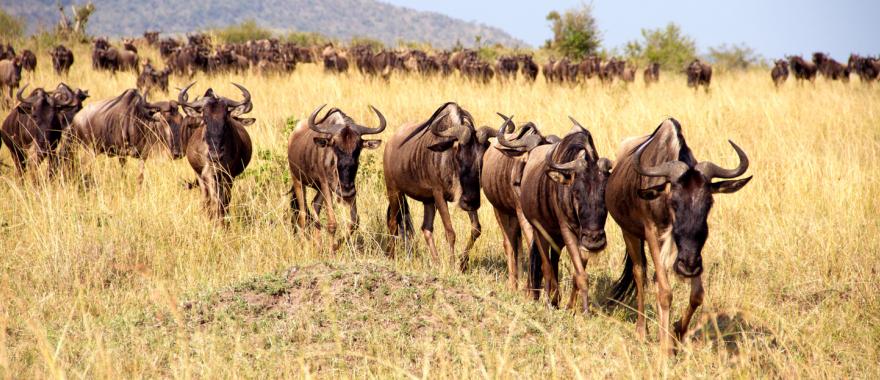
{"x":608,"y":71}
{"x":528,"y":67}
{"x":802,"y":69}
{"x":28,"y":60}
{"x":128,"y":44}
{"x":7,"y":51}
{"x":126,"y":126}
{"x":29,"y":128}
{"x":867,"y":68}
{"x":506,"y":67}
{"x":500,"y":178}
{"x":151,"y":78}
{"x":547,"y":69}
{"x":10,"y":76}
{"x":62,"y":59}
{"x":627,"y":72}
{"x":661,"y":194}
{"x":220,"y":149}
{"x":435,"y":162}
{"x":324,"y":155}
{"x":699,"y":74}
{"x":563,"y":197}
{"x":779,"y":72}
{"x":590,"y":67}
{"x":652,"y":73}
{"x":152,"y":37}
{"x":829,"y":68}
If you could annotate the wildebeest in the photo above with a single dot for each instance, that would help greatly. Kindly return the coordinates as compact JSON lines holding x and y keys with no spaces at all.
{"x":7,"y":51}
{"x":506,"y":67}
{"x":220,"y":149}
{"x":152,"y":37}
{"x":500,"y":178}
{"x":32,"y":124}
{"x":699,"y":74}
{"x":151,"y":78}
{"x":589,"y":67}
{"x":867,"y":68}
{"x":661,"y":194}
{"x":62,"y":59}
{"x":436,"y":162}
{"x":528,"y":67}
{"x":830,"y":68}
{"x":324,"y":155}
{"x":802,"y":69}
{"x":28,"y":60}
{"x":779,"y":72}
{"x":563,"y":197}
{"x":652,"y":73}
{"x":126,"y":126}
{"x":10,"y":76}
{"x":547,"y":69}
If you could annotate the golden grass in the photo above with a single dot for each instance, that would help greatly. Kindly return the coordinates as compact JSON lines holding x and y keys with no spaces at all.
{"x":93,"y":281}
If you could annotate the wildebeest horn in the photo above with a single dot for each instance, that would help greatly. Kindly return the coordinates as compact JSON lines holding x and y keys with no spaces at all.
{"x":520,"y":143}
{"x":372,"y":131}
{"x":506,"y":127}
{"x":578,"y":164}
{"x":576,"y":124}
{"x":246,"y":103}
{"x":19,"y":92}
{"x":314,"y":126}
{"x":710,"y":170}
{"x":670,"y":169}
{"x":182,"y":97}
{"x":485,"y":133}
{"x":458,"y":132}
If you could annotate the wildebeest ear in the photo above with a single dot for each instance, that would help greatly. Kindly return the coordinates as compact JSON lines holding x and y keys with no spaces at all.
{"x":652,"y":192}
{"x":726,"y":187}
{"x":323,"y":142}
{"x":442,"y":145}
{"x":372,"y":144}
{"x":560,"y":177}
{"x":245,"y":121}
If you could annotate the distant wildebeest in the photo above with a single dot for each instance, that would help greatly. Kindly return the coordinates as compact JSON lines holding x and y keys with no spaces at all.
{"x":475,"y":69}
{"x":152,"y":37}
{"x":547,"y":69}
{"x":830,"y":68}
{"x":10,"y":77}
{"x":565,"y":71}
{"x":608,"y":71}
{"x":563,"y":197}
{"x":62,"y":59}
{"x":151,"y":78}
{"x":458,"y":57}
{"x":589,"y":67}
{"x":506,"y":67}
{"x":779,"y":72}
{"x":867,"y":68}
{"x":32,"y":124}
{"x":334,"y":60}
{"x":6,"y":51}
{"x":500,"y":179}
{"x":699,"y":73}
{"x":627,"y":73}
{"x":660,"y":194}
{"x":128,"y":44}
{"x":528,"y":67}
{"x":167,"y":46}
{"x":802,"y":69}
{"x":436,"y":162}
{"x":220,"y":149}
{"x":28,"y":61}
{"x":652,"y":73}
{"x":325,"y":155}
{"x":126,"y":126}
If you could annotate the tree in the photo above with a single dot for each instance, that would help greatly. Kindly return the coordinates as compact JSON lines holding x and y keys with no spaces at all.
{"x":11,"y":27}
{"x":575,"y":32}
{"x":667,"y":46}
{"x":245,"y":31}
{"x":734,"y":57}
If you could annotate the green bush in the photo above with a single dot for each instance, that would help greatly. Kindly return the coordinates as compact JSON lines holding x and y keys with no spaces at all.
{"x":667,"y":46}
{"x":734,"y":57}
{"x":575,"y":32}
{"x":306,"y":38}
{"x":246,"y":31}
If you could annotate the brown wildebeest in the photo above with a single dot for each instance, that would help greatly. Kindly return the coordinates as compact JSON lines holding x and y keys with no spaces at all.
{"x":661,"y":194}
{"x":324,"y":155}
{"x":150,"y":78}
{"x":802,"y":69}
{"x":830,"y":68}
{"x":7,"y":51}
{"x":699,"y":74}
{"x":28,"y":61}
{"x":220,"y":149}
{"x":152,"y":37}
{"x":503,"y":165}
{"x":32,"y":124}
{"x":126,"y":126}
{"x":547,"y":69}
{"x":506,"y":67}
{"x":779,"y":72}
{"x":528,"y":67}
{"x":10,"y":76}
{"x":867,"y":68}
{"x":435,"y":162}
{"x":652,"y":73}
{"x":62,"y":59}
{"x":563,"y":197}
{"x":128,"y":44}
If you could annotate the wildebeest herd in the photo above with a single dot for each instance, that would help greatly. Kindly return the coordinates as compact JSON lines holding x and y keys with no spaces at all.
{"x":556,"y":192}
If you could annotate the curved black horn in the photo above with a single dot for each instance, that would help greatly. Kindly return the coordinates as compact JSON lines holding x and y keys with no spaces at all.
{"x":312,"y":117}
{"x":372,"y":131}
{"x":506,"y":127}
{"x":576,"y":124}
{"x":182,"y":96}
{"x":669,"y":170}
{"x":710,"y":170}
{"x":246,"y":102}
{"x":19,"y":92}
{"x":578,"y":164}
{"x":484,"y":133}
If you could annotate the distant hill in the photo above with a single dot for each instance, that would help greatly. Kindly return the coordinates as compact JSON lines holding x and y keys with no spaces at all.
{"x":335,"y":18}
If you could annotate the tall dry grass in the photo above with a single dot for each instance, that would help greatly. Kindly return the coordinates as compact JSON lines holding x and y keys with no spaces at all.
{"x":94,"y":279}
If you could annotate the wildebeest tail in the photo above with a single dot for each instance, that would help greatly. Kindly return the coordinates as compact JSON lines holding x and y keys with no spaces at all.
{"x":625,"y":286}
{"x":403,"y":218}
{"x":535,"y":273}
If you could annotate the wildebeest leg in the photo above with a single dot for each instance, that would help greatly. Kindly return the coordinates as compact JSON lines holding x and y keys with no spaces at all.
{"x":18,"y":159}
{"x":635,"y":248}
{"x":224,"y":190}
{"x":696,"y":299}
{"x":353,"y":215}
{"x":440,"y":203}
{"x":392,"y":217}
{"x":428,"y":229}
{"x":476,"y":231}
{"x":580,"y":273}
{"x":317,"y":205}
{"x":550,"y":268}
{"x":299,"y":210}
{"x":510,"y":231}
{"x":664,"y":291}
{"x":331,"y":215}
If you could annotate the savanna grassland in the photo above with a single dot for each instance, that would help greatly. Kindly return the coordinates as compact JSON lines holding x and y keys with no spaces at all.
{"x":101,"y":277}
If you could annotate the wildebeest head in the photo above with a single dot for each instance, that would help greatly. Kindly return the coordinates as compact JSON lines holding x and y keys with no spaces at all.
{"x":64,"y":94}
{"x":523,"y":141}
{"x":341,"y":134}
{"x":575,"y":164}
{"x":689,"y":197}
{"x":454,"y":132}
{"x":168,"y":114}
{"x":217,"y":114}
{"x":42,"y":109}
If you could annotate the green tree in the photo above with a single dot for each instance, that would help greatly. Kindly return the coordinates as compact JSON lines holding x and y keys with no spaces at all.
{"x":667,"y":46}
{"x":575,"y":32}
{"x":11,"y":27}
{"x":247,"y":30}
{"x":734,"y":57}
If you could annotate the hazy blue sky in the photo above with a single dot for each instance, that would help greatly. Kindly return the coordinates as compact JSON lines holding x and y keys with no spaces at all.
{"x":771,"y":27}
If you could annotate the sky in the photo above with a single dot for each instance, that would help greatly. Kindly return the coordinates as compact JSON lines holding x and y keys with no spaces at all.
{"x":772,"y":27}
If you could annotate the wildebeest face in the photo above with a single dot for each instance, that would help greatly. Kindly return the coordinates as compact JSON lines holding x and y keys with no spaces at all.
{"x":468,"y":161}
{"x":41,"y":110}
{"x":172,"y":121}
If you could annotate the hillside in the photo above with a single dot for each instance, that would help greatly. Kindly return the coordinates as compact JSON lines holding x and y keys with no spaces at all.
{"x":335,"y":18}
